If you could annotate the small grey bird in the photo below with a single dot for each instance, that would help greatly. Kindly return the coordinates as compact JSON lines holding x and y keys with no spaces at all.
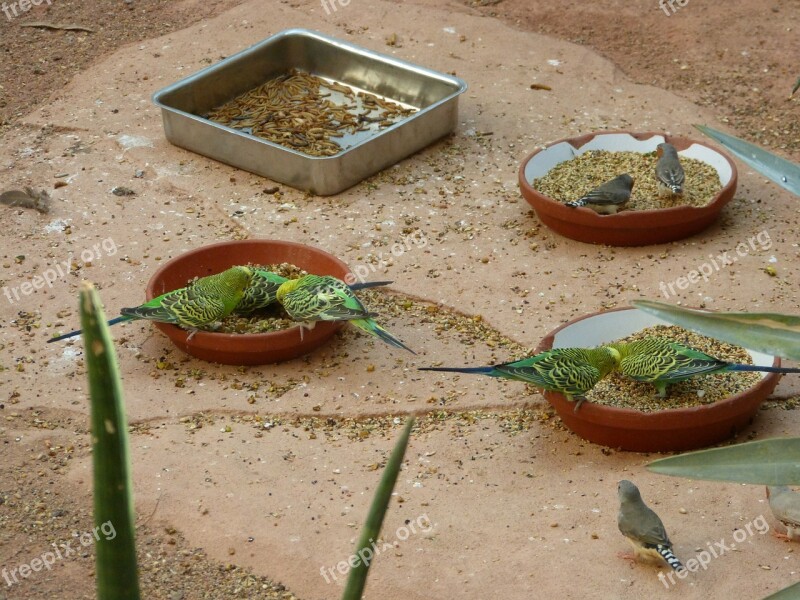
{"x":669,"y":171}
{"x":785,"y":506}
{"x":643,"y":528}
{"x":607,"y":198}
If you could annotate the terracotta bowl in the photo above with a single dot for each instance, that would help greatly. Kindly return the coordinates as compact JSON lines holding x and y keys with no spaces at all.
{"x":660,"y":431}
{"x":627,"y":228}
{"x":245,"y":349}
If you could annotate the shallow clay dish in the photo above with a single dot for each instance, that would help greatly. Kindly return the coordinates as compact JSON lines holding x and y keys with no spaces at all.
{"x":627,"y":228}
{"x":659,"y":431}
{"x":253,"y":348}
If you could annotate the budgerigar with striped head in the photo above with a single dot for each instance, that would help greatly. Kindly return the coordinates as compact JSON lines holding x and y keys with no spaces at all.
{"x":200,"y":305}
{"x":325,"y":298}
{"x":662,"y":362}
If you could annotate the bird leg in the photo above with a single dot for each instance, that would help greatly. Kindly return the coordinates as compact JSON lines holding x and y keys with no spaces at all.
{"x":306,"y":325}
{"x":209,"y":327}
{"x":791,"y":534}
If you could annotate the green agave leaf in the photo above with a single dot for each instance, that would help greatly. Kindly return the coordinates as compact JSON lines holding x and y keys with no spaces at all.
{"x":768,"y":462}
{"x":783,"y":172}
{"x":790,"y":593}
{"x":117,"y":575}
{"x":357,"y":579}
{"x":770,"y":333}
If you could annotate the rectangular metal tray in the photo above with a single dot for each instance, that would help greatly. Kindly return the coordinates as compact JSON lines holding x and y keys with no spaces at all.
{"x":434,"y":96}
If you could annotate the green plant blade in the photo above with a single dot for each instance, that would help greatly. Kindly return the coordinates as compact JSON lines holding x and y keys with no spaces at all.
{"x":773,"y":334}
{"x":790,"y":593}
{"x":796,"y":86}
{"x":117,"y":577}
{"x":768,"y":462}
{"x":783,"y":172}
{"x":357,"y":579}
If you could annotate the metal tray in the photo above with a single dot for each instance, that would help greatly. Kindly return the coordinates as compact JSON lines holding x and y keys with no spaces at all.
{"x":433,"y":95}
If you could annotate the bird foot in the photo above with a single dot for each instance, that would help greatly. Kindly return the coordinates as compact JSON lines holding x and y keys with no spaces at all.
{"x":578,"y":402}
{"x":192,"y":333}
{"x":783,"y":536}
{"x":627,"y":556}
{"x":306,"y":325}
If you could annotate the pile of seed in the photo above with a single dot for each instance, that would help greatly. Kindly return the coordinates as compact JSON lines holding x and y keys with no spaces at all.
{"x":304,"y":112}
{"x":572,"y":179}
{"x":618,"y":390}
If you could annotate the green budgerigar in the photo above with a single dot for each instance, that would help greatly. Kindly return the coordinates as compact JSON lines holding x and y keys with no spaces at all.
{"x":263,"y":290}
{"x":570,"y":371}
{"x":200,"y":305}
{"x":662,"y":362}
{"x":314,"y":298}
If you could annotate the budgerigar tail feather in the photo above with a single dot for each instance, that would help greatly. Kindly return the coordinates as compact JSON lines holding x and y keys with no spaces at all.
{"x":152,"y":313}
{"x":478,"y":370}
{"x":671,"y":559}
{"x":762,"y":369}
{"x":364,"y":285}
{"x":77,"y":332}
{"x":372,"y":328}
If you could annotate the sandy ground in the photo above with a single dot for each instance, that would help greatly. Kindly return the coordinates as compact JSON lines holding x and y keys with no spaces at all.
{"x":243,"y":474}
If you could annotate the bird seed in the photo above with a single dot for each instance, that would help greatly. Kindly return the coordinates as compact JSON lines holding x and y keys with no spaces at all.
{"x":572,"y":179}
